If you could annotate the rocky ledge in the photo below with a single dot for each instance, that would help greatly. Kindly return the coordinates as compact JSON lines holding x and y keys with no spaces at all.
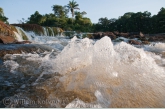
{"x":6,"y":34}
{"x":131,"y":36}
{"x":19,"y":48}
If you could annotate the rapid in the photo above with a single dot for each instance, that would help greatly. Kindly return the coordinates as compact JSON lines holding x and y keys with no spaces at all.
{"x":84,"y":73}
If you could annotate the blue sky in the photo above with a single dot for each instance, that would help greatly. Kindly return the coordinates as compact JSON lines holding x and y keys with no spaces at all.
{"x":17,"y":9}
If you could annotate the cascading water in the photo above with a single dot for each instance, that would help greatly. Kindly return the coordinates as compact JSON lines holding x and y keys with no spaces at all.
{"x":85,"y":73}
{"x":45,"y":31}
{"x":57,"y":41}
{"x":19,"y":34}
{"x":29,"y":35}
{"x":52,"y":31}
{"x":82,"y":73}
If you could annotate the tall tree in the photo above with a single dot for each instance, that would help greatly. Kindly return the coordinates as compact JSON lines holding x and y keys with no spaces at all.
{"x":72,"y":6}
{"x":60,"y":11}
{"x":36,"y":18}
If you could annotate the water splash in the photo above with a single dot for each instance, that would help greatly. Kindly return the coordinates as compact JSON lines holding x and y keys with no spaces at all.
{"x":139,"y":81}
{"x":116,"y":75}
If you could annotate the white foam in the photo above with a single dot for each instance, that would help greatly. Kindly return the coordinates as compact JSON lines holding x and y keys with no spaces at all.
{"x":80,"y":104}
{"x":12,"y":65}
{"x":155,"y":47}
{"x":18,"y":36}
{"x":121,"y":39}
{"x":118,"y":75}
{"x":123,"y":71}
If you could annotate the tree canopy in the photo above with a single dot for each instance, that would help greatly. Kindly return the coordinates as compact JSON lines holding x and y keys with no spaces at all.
{"x":72,"y":6}
{"x":134,"y":22}
{"x":129,"y":22}
{"x":59,"y":18}
{"x":60,"y":11}
{"x":2,"y":16}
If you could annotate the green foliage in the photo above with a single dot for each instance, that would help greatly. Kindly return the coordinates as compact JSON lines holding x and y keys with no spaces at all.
{"x":36,"y":18}
{"x":1,"y":12}
{"x":72,"y":6}
{"x":2,"y":17}
{"x":134,"y":22}
{"x":129,"y":22}
{"x":160,"y":20}
{"x":61,"y":20}
{"x":60,"y":11}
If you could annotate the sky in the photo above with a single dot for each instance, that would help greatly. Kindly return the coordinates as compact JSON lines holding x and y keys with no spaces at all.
{"x":17,"y":9}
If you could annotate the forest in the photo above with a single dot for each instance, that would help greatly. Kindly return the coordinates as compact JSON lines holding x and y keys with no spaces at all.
{"x":129,"y":22}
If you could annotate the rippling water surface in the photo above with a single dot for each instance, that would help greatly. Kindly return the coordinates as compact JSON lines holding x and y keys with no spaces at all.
{"x":84,"y":73}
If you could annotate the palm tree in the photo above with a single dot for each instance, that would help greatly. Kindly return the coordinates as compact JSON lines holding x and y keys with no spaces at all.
{"x":1,"y":12}
{"x":72,"y":6}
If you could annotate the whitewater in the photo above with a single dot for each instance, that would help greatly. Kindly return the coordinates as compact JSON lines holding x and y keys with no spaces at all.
{"x":86,"y":73}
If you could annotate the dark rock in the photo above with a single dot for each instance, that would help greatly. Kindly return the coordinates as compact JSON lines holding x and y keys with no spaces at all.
{"x":134,"y":42}
{"x":116,"y":33}
{"x":23,"y":42}
{"x":126,"y":35}
{"x":143,"y":39}
{"x":151,"y":39}
{"x":99,"y":35}
{"x":145,"y":42}
{"x":109,"y":34}
{"x":136,"y":34}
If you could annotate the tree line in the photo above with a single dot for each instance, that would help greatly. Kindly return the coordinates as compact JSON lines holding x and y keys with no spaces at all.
{"x":134,"y":22}
{"x":129,"y":22}
{"x":60,"y":18}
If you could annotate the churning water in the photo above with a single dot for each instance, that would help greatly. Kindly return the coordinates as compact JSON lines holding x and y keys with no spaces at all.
{"x":85,"y":73}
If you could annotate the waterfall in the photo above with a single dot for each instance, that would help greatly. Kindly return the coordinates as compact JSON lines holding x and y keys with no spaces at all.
{"x":21,"y":34}
{"x":45,"y":31}
{"x":35,"y":33}
{"x":51,"y":31}
{"x":58,"y":30}
{"x":18,"y":36}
